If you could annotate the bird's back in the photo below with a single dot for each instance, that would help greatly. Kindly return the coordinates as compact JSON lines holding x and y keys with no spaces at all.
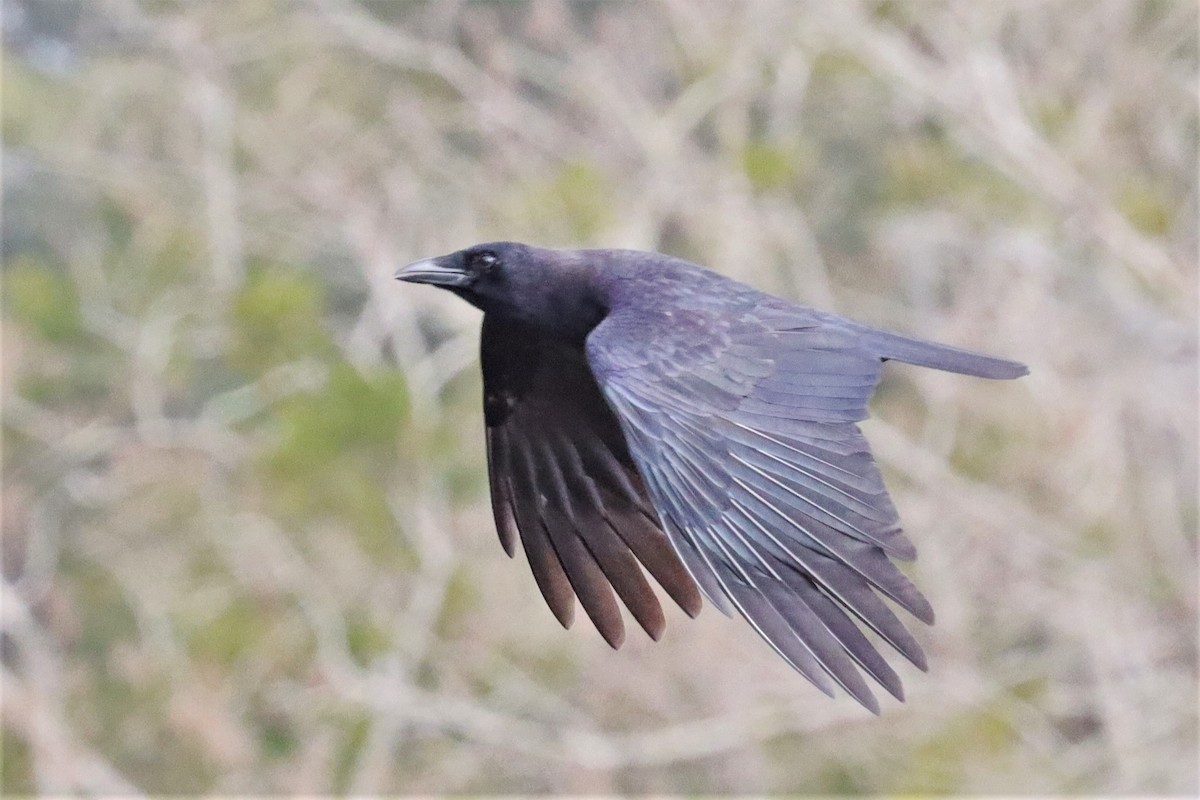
{"x":690,"y":301}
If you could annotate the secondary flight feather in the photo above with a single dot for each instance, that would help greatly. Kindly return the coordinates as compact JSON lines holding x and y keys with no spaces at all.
{"x":642,"y":410}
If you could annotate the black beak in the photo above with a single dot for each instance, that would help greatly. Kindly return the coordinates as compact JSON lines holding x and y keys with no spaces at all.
{"x":441,"y":271}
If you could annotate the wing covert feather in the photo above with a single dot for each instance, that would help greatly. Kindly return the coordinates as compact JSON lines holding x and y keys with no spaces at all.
{"x":744,"y":429}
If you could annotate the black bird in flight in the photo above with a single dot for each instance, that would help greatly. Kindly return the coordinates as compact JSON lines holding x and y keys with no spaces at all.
{"x":640,"y":408}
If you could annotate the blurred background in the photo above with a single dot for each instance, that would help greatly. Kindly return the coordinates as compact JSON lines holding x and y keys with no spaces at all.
{"x":246,"y":540}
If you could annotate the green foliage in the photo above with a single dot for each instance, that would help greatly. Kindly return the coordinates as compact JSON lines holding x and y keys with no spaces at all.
{"x":277,"y":739}
{"x":936,"y":765}
{"x":1053,"y":116}
{"x":167,"y":764}
{"x":42,"y":298}
{"x":241,"y":626}
{"x":106,"y":617}
{"x":771,"y":166}
{"x":276,"y":319}
{"x":366,"y":640}
{"x":578,"y":198}
{"x":16,"y":769}
{"x":983,"y":450}
{"x":353,"y":739}
{"x":335,"y":451}
{"x":925,"y":170}
{"x":837,"y":779}
{"x":83,"y":377}
{"x":554,"y":667}
{"x":462,"y":597}
{"x":354,"y":415}
{"x":1097,"y":540}
{"x":839,"y":65}
{"x":36,"y":107}
{"x":1147,"y":207}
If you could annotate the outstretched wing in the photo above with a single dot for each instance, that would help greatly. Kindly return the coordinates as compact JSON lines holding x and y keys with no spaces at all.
{"x":563,"y":482}
{"x":744,"y":430}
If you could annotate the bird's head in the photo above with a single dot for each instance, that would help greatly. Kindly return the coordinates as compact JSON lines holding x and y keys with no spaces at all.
{"x":550,"y":289}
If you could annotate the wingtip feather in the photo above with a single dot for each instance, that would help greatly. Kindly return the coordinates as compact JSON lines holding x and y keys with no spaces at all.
{"x":565,"y":616}
{"x":920,"y":608}
{"x":614,"y":635}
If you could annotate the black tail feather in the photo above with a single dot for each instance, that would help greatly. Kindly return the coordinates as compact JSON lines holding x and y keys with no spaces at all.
{"x":893,"y":346}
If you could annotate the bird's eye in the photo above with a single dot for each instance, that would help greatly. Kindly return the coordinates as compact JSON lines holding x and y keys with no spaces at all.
{"x":484,"y":262}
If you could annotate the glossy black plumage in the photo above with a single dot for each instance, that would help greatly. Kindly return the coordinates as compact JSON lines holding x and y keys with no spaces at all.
{"x":642,"y":409}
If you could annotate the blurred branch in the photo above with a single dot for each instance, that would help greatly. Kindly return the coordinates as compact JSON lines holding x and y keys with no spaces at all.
{"x":34,"y":707}
{"x":980,"y":96}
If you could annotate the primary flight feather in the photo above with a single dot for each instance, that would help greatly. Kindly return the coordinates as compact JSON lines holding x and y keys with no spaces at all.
{"x":642,"y":409}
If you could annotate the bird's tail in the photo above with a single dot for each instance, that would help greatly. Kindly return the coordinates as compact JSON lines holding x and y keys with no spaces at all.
{"x":889,"y":345}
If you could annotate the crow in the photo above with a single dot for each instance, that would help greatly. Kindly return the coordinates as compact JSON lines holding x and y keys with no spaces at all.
{"x":642,"y":409}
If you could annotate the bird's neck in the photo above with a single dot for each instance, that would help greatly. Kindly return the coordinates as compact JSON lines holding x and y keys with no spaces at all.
{"x":571,"y":315}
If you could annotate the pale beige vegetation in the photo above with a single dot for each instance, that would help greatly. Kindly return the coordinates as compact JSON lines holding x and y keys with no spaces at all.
{"x":247,"y":546}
